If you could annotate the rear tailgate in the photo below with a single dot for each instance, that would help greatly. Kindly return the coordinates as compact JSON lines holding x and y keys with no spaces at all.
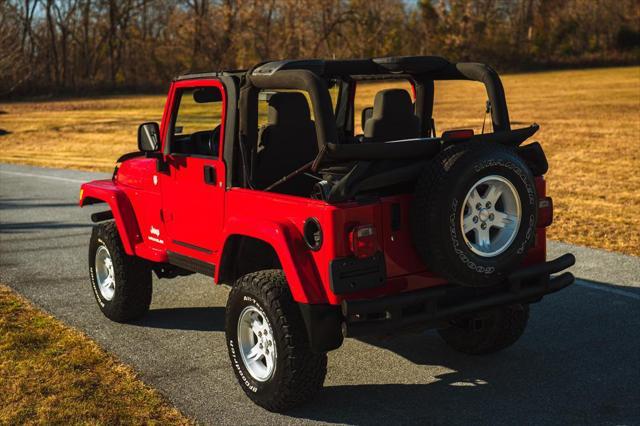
{"x":400,"y":254}
{"x":390,"y":218}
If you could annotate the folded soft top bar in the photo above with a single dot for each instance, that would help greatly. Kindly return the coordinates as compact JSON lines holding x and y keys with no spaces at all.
{"x":335,"y":68}
{"x":418,"y":68}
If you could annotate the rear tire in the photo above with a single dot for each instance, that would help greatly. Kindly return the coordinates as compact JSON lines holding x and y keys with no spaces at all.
{"x":487,"y":190}
{"x":487,"y":332}
{"x":277,"y":369}
{"x":121,"y":283}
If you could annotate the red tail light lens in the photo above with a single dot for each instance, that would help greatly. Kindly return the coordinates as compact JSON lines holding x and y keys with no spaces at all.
{"x":457,"y":134}
{"x":362,"y":241}
{"x":545,"y":212}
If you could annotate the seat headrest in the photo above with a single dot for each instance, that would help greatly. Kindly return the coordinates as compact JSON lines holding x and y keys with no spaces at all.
{"x":288,"y":108}
{"x":390,"y":103}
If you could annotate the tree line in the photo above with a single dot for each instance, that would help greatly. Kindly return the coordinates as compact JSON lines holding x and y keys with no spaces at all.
{"x":83,"y":46}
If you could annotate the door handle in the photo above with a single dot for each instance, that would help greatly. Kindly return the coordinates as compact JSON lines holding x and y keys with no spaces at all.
{"x":210,"y":175}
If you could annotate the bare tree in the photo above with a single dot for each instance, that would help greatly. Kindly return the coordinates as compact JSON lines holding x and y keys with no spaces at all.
{"x":75,"y":45}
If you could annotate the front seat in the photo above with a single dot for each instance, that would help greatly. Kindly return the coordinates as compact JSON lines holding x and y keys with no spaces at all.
{"x":393,"y":117}
{"x":287,"y":143}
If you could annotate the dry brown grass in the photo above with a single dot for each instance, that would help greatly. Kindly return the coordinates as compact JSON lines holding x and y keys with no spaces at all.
{"x":51,"y":374}
{"x":590,"y":129}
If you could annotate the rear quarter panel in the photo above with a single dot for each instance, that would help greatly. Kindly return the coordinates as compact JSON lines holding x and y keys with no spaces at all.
{"x":264,"y":215}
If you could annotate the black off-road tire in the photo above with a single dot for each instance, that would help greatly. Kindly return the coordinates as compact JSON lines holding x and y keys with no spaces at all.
{"x":487,"y":332}
{"x":133,"y":281}
{"x":438,"y":202}
{"x":299,"y":373}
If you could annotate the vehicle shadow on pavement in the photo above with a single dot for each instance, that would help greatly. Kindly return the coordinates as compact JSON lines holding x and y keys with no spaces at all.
{"x":7,"y":204}
{"x":189,"y":318}
{"x":13,"y":227}
{"x":577,"y":363}
{"x":596,"y":288}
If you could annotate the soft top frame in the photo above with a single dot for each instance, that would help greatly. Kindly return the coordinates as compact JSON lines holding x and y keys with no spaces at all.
{"x":421,"y":69}
{"x":313,"y":76}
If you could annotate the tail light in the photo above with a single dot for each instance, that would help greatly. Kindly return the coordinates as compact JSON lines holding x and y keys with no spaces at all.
{"x":462,"y":134}
{"x":545,"y":212}
{"x":362,"y":241}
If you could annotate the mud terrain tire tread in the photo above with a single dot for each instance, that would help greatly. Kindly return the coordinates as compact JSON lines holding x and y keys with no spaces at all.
{"x":300,"y":373}
{"x":431,"y":207}
{"x":133,"y":277}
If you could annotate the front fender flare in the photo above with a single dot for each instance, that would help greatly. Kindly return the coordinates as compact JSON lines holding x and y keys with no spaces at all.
{"x":106,"y":191}
{"x":297,"y":262}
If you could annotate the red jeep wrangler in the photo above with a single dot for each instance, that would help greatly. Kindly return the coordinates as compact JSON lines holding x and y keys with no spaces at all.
{"x":259,"y":179}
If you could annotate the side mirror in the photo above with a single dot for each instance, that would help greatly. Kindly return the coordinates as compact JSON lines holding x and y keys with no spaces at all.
{"x":148,"y":137}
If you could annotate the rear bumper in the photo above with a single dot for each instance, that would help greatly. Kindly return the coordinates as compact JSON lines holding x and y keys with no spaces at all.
{"x":430,"y":307}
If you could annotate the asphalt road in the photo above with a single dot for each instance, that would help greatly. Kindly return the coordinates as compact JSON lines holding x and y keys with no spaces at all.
{"x":578,"y":362}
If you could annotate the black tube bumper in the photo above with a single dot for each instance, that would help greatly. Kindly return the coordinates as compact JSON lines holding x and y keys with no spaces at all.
{"x":431,"y":307}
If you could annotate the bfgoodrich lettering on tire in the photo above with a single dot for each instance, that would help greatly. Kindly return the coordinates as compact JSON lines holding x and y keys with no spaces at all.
{"x":268,"y":344}
{"x":474,"y":214}
{"x":121,"y":284}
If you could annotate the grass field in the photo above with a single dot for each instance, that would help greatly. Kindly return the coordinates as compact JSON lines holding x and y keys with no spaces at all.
{"x":51,"y":374}
{"x":590,"y":129}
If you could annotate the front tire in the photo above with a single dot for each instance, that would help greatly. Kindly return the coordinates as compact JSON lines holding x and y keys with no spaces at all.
{"x":121,"y":283}
{"x":268,"y":344}
{"x":487,"y":332}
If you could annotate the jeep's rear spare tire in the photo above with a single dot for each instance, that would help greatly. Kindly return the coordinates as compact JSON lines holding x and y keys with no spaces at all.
{"x":474,"y":213}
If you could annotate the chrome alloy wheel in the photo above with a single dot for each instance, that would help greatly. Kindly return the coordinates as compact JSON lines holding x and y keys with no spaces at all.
{"x":491,"y":215}
{"x":104,"y":273}
{"x":256,"y":344}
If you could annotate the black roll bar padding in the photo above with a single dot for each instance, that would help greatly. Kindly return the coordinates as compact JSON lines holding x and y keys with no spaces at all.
{"x":318,"y":91}
{"x":423,"y":71}
{"x":344,"y":111}
{"x":229,"y":144}
{"x":489,"y":77}
{"x":248,"y":124}
{"x":424,"y":105}
{"x":391,"y":150}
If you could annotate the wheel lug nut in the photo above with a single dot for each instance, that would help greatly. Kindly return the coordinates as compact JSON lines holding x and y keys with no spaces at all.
{"x":491,"y":216}
{"x":488,"y":204}
{"x":478,"y":206}
{"x":483,"y":225}
{"x":475,"y":219}
{"x":260,"y":333}
{"x":267,"y":351}
{"x":260,"y":346}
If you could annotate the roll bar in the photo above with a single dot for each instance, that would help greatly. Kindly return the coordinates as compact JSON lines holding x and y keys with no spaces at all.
{"x":318,"y":91}
{"x":486,"y":75}
{"x":311,"y":76}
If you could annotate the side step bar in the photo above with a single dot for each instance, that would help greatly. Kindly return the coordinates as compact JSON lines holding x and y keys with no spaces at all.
{"x":191,"y":264}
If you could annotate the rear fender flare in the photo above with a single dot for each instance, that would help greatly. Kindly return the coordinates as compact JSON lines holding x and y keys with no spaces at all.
{"x":121,"y":208}
{"x":297,"y":262}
